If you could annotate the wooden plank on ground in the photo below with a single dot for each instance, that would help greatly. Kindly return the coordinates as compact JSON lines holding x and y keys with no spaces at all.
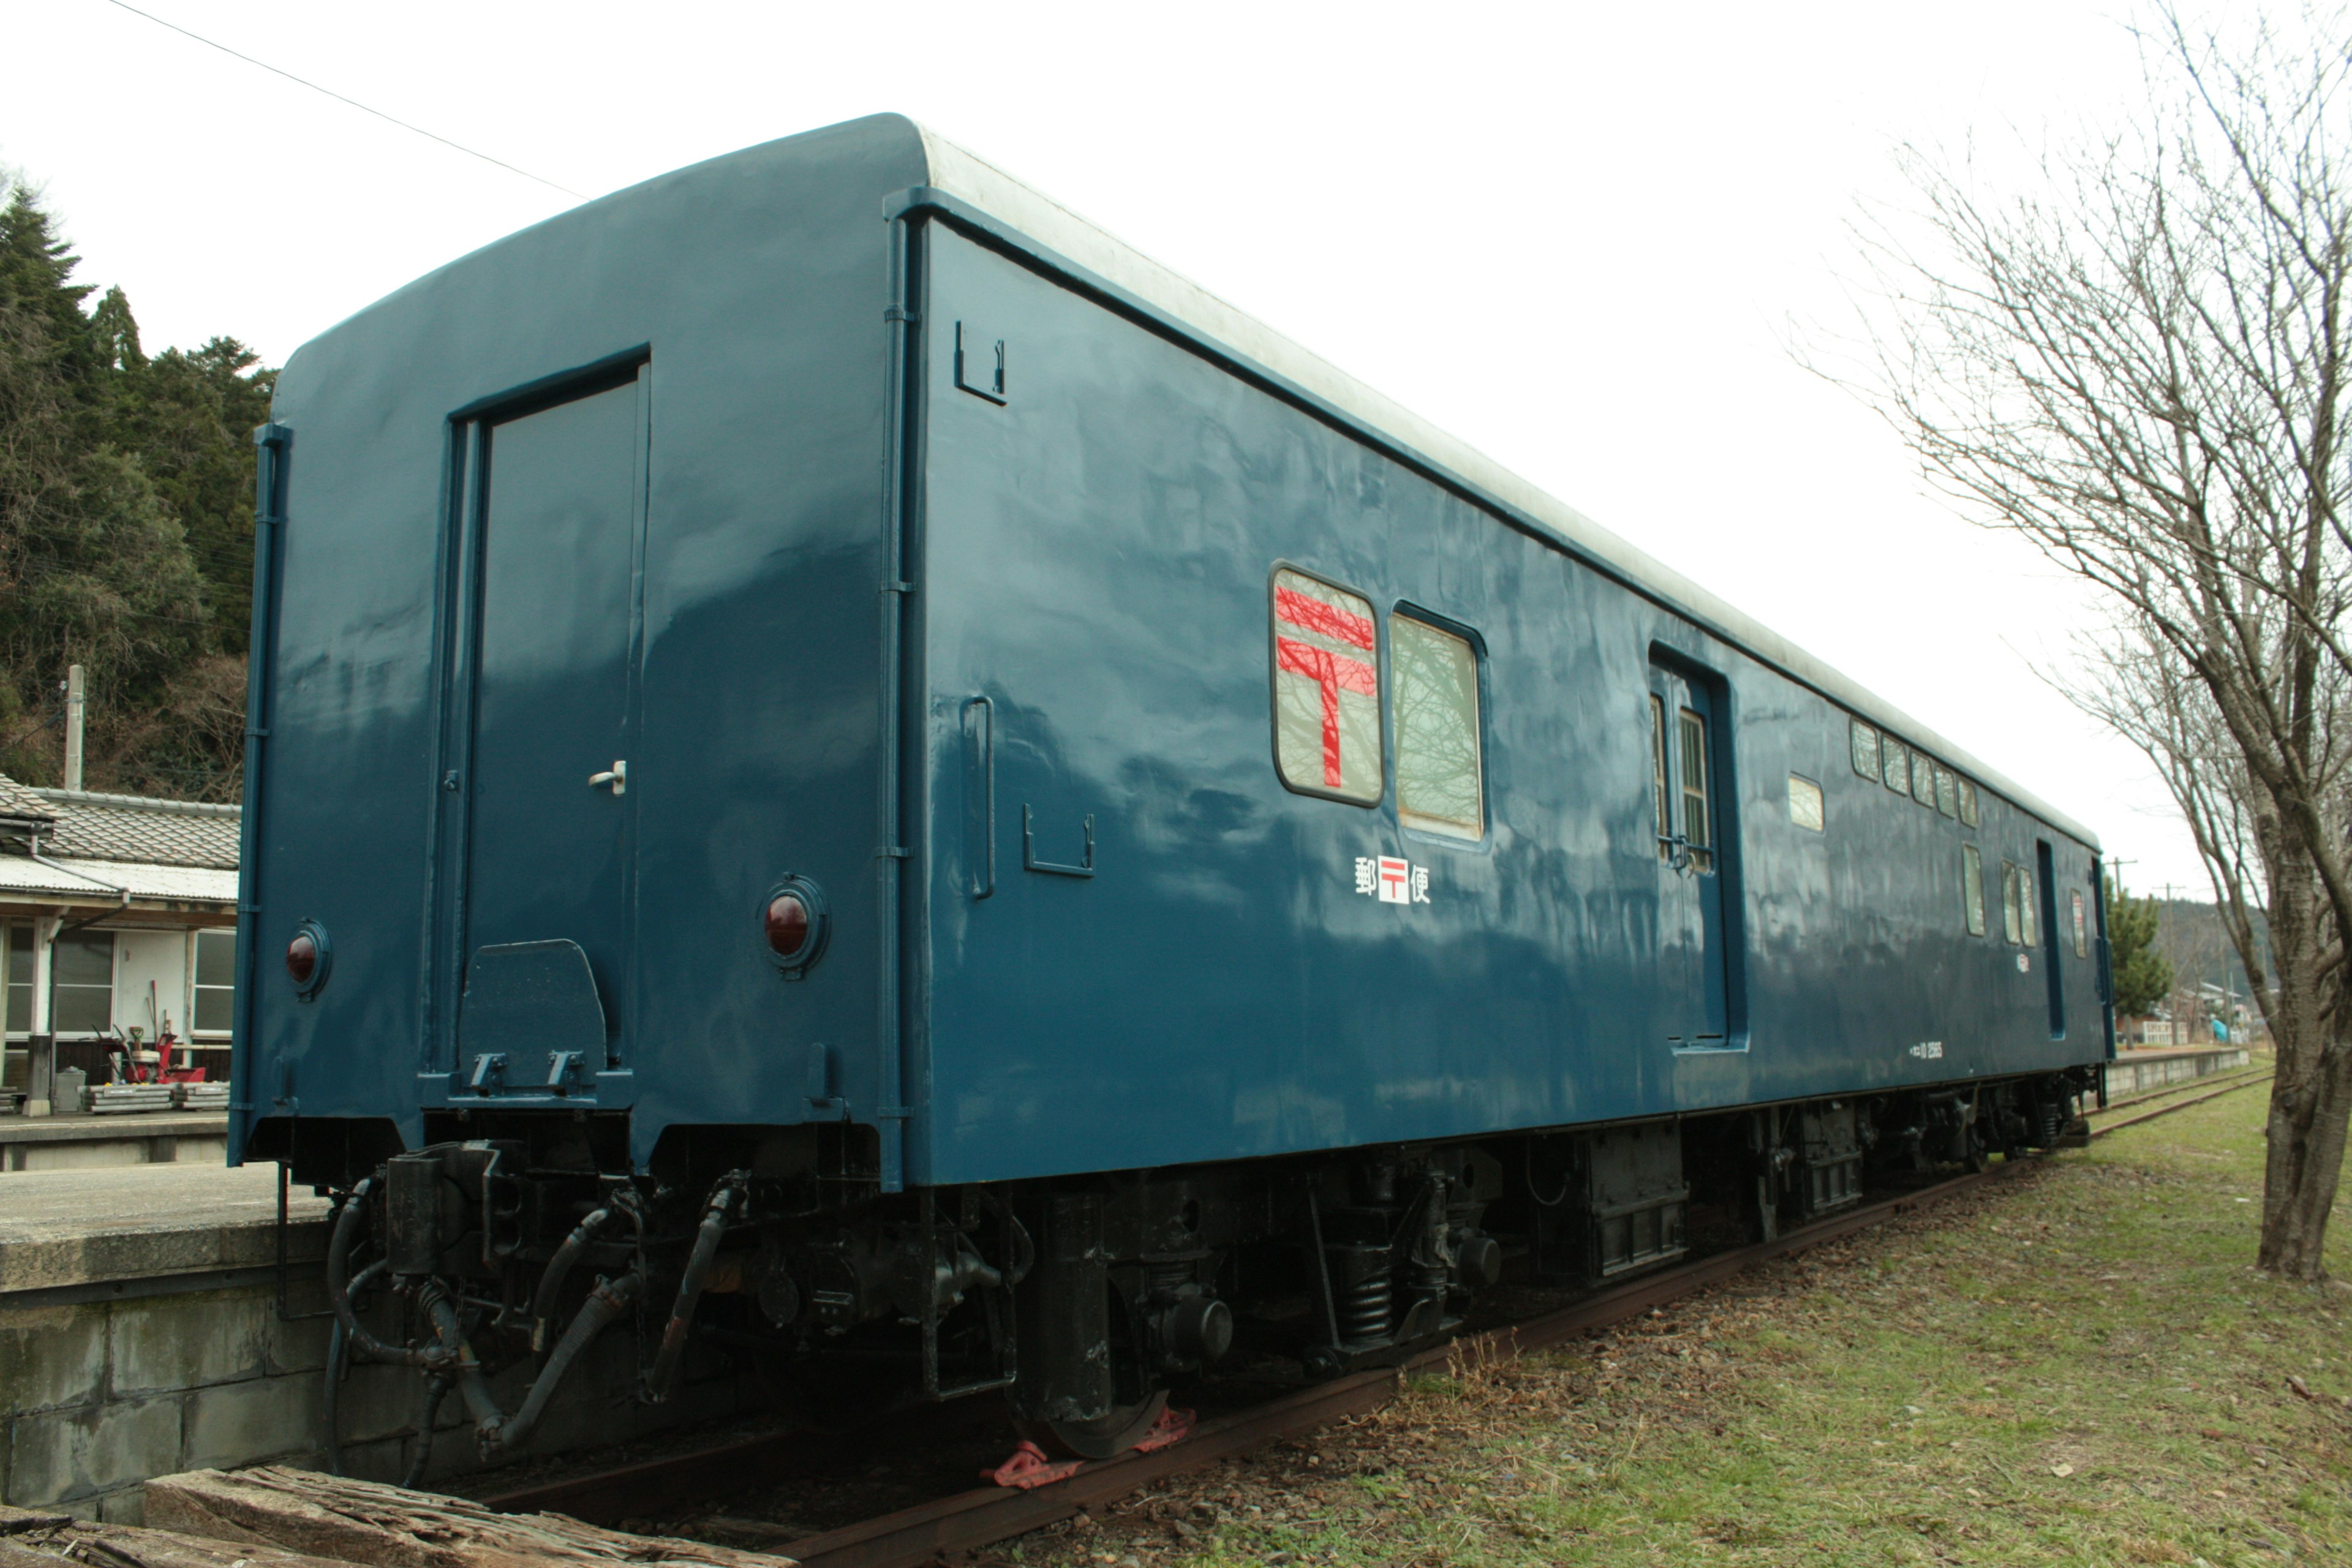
{"x":34,"y":1538}
{"x":383,"y":1526}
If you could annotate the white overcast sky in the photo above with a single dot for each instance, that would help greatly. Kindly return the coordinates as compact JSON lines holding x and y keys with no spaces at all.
{"x":1575,"y":234}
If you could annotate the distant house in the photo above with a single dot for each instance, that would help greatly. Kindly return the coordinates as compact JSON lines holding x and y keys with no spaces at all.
{"x":130,"y":905}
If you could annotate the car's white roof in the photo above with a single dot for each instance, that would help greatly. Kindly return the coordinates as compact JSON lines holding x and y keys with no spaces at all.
{"x":982,"y":184}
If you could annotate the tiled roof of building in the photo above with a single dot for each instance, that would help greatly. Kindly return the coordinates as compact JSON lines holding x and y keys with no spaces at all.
{"x":18,"y":802}
{"x":140,"y":828}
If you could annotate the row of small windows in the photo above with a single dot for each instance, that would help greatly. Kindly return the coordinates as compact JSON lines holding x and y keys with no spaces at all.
{"x":1327,"y":708}
{"x":2021,"y":909}
{"x":1906,"y":772}
{"x":1327,"y":705}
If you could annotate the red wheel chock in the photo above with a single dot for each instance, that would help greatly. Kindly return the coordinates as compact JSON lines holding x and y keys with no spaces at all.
{"x":1173,"y":1426}
{"x":1029,"y":1468}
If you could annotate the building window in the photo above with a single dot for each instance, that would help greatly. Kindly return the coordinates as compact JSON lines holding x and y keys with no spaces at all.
{"x":216,"y":1007}
{"x":1435,"y":691}
{"x":1804,"y":802}
{"x":20,"y":978}
{"x":81,"y":975}
{"x":2082,"y":936}
{"x":2012,"y":914}
{"x":1923,"y":779}
{"x":1968,"y":802}
{"x":1864,"y":741}
{"x":1893,"y":764}
{"x":1698,"y":817}
{"x":1326,"y":691}
{"x":1659,"y":787}
{"x":1947,"y":791}
{"x":1972,"y":887}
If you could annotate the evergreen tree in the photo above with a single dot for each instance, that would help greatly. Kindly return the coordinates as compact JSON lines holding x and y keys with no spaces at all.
{"x":2143,"y":976}
{"x":126,"y":526}
{"x":34,"y":268}
{"x":190,"y":416}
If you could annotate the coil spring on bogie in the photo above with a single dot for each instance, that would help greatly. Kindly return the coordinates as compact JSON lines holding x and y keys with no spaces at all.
{"x":1364,"y":1310}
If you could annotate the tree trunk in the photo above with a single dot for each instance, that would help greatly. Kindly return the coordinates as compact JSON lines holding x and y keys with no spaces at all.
{"x":2311,"y":1101}
{"x":2311,"y":1097}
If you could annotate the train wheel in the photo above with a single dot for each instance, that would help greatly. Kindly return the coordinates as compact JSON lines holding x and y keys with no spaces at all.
{"x":1114,"y":1432}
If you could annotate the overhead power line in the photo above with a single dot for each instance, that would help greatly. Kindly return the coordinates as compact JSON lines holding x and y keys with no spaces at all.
{"x":354,"y":102}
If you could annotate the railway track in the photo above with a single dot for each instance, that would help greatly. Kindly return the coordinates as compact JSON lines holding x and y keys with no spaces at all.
{"x":2142,"y":1110}
{"x":971,"y":1520}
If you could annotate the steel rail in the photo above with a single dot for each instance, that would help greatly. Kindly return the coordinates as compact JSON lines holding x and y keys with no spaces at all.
{"x":2183,"y":1086}
{"x":967,"y":1521}
{"x":970,"y":1519}
{"x":715,"y":1469}
{"x":2103,"y":1129}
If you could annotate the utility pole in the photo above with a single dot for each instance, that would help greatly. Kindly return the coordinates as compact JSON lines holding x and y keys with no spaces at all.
{"x":76,"y":704}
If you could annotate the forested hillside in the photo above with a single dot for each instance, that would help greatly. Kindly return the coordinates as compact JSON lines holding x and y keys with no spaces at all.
{"x":126,"y":528}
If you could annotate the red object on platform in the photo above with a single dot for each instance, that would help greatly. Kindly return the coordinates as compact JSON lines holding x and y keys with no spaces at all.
{"x":1173,"y":1426}
{"x":1029,"y":1468}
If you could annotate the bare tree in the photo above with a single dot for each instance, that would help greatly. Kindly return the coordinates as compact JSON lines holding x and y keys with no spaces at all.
{"x":2142,"y":369}
{"x":2137,"y":687}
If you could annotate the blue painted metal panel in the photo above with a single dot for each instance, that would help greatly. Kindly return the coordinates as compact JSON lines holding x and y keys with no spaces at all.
{"x":554,"y":622}
{"x":1125,"y":942}
{"x":754,"y":287}
{"x":1096,"y":550}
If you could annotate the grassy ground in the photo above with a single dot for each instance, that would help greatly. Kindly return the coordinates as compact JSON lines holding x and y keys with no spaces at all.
{"x":2076,"y":1366}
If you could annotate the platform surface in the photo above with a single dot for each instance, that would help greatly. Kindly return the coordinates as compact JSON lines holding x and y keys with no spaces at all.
{"x":136,"y":1222}
{"x":83,"y":1126}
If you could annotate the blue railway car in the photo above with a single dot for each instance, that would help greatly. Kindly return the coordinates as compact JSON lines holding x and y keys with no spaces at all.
{"x":844,"y":765}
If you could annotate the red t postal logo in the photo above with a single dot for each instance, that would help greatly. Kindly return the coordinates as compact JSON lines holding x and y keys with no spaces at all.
{"x":1395,"y":881}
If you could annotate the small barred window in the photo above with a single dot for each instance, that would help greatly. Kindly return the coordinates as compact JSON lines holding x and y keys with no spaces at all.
{"x":1864,"y":742}
{"x":1804,"y":802}
{"x":1434,"y":678}
{"x":1327,"y":689}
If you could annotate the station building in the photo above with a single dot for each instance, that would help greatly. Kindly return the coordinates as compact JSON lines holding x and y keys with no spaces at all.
{"x":117,"y":921}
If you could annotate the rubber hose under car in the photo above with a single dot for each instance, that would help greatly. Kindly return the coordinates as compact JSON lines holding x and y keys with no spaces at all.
{"x":689,"y":1290}
{"x":339,"y":1355}
{"x":497,"y":1431}
{"x":339,"y":1288}
{"x":559,"y":1269}
{"x":436,"y":1387}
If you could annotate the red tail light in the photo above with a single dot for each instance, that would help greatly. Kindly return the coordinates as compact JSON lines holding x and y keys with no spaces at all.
{"x":788,"y":924}
{"x":302,"y":957}
{"x":793,"y":922}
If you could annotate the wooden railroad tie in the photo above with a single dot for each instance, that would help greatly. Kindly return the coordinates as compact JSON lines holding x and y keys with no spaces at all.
{"x":32,"y":1538}
{"x":304,"y":1520}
